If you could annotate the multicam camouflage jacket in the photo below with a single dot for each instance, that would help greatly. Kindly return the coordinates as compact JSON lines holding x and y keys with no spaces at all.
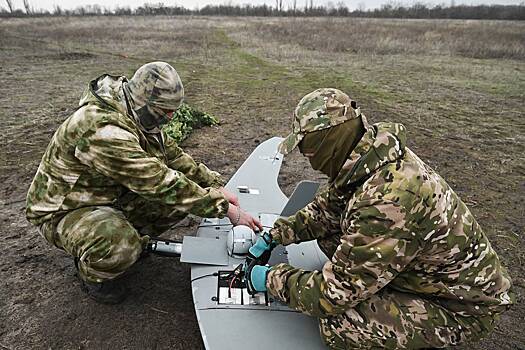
{"x":388,"y":220}
{"x":99,"y":153}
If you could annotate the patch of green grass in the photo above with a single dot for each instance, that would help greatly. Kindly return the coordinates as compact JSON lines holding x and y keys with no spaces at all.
{"x":249,"y":73}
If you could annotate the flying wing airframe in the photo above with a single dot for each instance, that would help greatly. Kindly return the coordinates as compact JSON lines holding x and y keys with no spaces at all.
{"x":228,"y":315}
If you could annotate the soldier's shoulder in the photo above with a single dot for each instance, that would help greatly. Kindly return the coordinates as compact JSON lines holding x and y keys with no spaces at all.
{"x":388,"y":191}
{"x":94,"y":116}
{"x":392,"y":181}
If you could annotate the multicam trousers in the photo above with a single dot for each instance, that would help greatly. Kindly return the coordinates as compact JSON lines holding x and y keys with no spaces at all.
{"x":107,"y":240}
{"x":392,"y":319}
{"x":397,"y":320}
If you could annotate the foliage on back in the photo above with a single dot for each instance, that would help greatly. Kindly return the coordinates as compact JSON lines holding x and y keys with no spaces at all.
{"x":185,"y":119}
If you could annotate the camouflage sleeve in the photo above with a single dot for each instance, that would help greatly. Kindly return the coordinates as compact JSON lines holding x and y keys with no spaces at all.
{"x":318,"y":219}
{"x":376,"y":247}
{"x":183,"y":162}
{"x":116,"y":153}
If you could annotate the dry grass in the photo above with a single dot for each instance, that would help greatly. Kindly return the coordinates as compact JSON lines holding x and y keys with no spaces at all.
{"x":474,"y":39}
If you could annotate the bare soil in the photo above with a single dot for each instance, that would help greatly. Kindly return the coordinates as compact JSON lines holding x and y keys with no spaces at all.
{"x":462,"y":105}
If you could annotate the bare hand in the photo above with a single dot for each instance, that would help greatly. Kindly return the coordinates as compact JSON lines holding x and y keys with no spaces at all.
{"x":238,"y":216}
{"x":230,"y":197}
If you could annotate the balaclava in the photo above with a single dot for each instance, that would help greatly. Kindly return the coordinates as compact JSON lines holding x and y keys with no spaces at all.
{"x":328,"y":149}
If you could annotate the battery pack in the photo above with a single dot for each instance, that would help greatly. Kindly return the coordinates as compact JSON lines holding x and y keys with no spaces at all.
{"x":232,"y":290}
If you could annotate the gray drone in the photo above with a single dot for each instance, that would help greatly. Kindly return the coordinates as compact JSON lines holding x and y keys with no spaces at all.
{"x":228,"y":312}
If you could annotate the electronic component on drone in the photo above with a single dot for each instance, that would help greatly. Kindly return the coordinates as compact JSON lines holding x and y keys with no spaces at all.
{"x":164,"y":246}
{"x":232,"y":289}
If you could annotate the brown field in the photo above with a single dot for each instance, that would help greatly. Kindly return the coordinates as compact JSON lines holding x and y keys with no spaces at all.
{"x":458,"y":86}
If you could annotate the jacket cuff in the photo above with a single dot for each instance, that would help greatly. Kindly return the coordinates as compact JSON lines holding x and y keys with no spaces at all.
{"x":276,"y":281}
{"x":276,"y":235}
{"x":221,"y":204}
{"x":282,"y":233}
{"x":217,"y":181}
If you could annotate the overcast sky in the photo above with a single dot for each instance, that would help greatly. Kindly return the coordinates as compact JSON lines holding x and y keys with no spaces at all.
{"x":71,"y":4}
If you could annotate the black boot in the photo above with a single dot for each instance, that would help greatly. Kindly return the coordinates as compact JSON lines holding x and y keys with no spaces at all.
{"x":107,"y":292}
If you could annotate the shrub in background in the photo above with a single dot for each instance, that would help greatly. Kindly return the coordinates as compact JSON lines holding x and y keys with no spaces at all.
{"x":185,"y":119}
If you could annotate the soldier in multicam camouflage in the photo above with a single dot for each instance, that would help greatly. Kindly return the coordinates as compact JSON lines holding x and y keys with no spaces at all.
{"x":110,"y":176}
{"x":409,"y":265}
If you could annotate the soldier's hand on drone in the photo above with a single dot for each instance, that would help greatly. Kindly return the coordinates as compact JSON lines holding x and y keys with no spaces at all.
{"x":230,"y":197}
{"x":256,"y":276}
{"x":262,"y":249}
{"x":238,"y":216}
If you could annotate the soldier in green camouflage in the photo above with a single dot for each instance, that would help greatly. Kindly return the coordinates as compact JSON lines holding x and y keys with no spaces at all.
{"x":409,"y":267}
{"x":110,"y":176}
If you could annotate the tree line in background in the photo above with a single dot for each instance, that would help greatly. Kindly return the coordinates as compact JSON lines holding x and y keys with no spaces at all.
{"x":292,"y":9}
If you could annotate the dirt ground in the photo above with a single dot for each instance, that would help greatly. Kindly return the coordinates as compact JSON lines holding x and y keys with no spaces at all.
{"x":458,"y":86}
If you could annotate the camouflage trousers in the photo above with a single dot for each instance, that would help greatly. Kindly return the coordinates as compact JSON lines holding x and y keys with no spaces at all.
{"x":107,"y":240}
{"x":396,"y":320}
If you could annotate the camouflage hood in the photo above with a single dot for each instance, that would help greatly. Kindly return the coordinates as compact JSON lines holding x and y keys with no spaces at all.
{"x":108,"y":91}
{"x":154,"y":90}
{"x":382,"y":143}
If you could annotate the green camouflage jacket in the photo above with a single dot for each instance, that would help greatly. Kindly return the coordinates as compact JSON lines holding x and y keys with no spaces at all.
{"x":99,"y":153}
{"x":389,"y":220}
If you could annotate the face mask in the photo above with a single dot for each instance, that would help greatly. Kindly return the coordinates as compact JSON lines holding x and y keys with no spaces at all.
{"x":312,"y":147}
{"x":328,"y":149}
{"x":151,"y":118}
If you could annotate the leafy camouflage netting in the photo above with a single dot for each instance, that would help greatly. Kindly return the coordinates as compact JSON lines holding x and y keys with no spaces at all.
{"x":185,"y":119}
